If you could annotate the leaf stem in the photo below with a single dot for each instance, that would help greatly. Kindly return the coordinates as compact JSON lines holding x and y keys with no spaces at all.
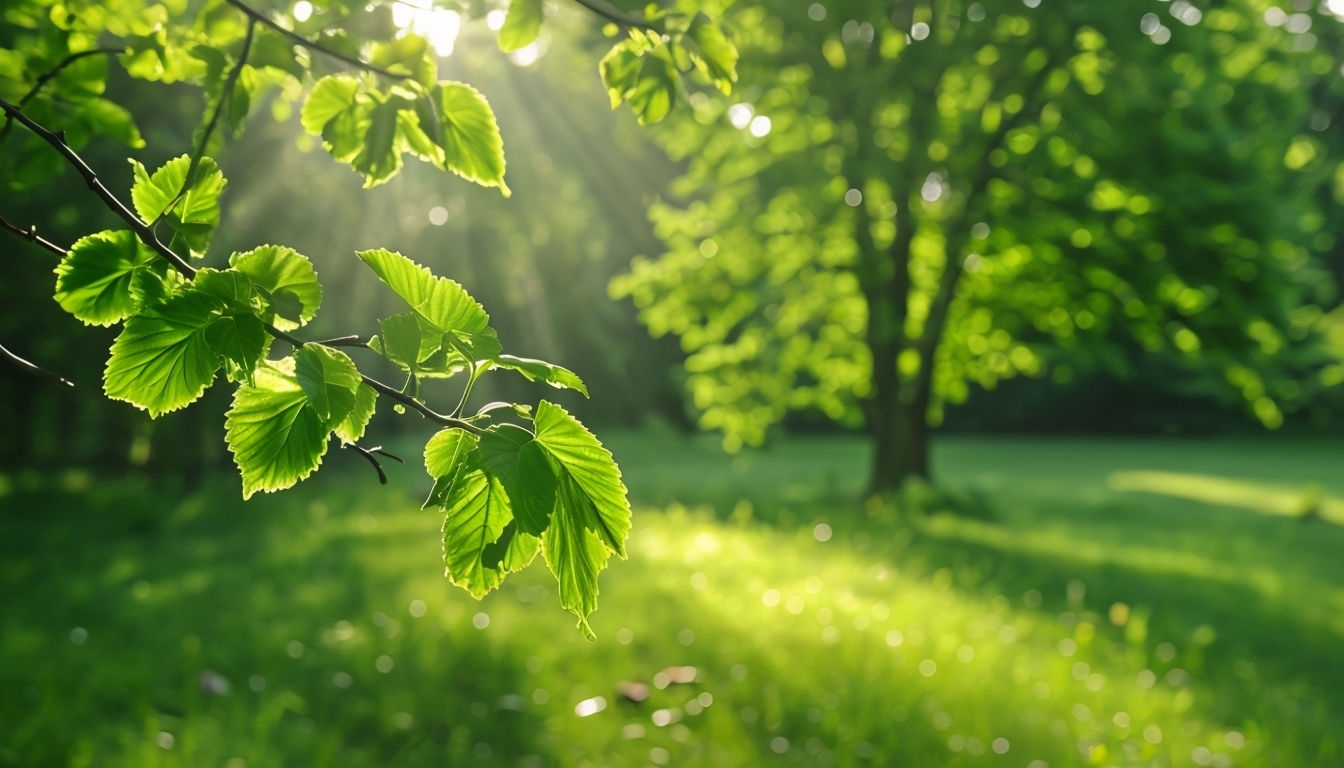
{"x":142,"y":230}
{"x":298,"y":39}
{"x":386,"y":389}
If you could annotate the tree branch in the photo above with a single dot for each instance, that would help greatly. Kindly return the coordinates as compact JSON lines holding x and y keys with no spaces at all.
{"x":311,"y":45}
{"x":225,"y":97}
{"x":142,"y":230}
{"x":368,"y":453}
{"x":31,"y":236}
{"x":605,"y":11}
{"x":34,"y":368}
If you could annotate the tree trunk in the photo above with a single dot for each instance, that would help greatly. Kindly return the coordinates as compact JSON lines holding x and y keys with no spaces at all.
{"x":900,"y":432}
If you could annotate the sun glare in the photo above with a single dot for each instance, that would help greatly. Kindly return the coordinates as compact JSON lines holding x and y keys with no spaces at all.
{"x":440,"y":27}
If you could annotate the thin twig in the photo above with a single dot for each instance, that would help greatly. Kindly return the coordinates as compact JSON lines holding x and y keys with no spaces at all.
{"x":352,"y":340}
{"x":140,"y":228}
{"x":614,"y":15}
{"x":225,"y":97}
{"x":51,"y":74}
{"x":367,"y":453}
{"x":31,"y":236}
{"x":311,"y":45}
{"x":34,"y":368}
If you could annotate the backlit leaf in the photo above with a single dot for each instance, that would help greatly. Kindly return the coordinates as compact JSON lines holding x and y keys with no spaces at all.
{"x":275,"y":435}
{"x":95,"y":281}
{"x":464,"y":125}
{"x":445,"y":457}
{"x":162,"y":359}
{"x":330,"y":380}
{"x":351,"y":428}
{"x":522,"y":24}
{"x":575,"y":555}
{"x":511,"y":454}
{"x":540,"y":370}
{"x":292,"y":291}
{"x":196,"y":214}
{"x":442,"y":304}
{"x":595,"y":497}
{"x":328,"y":98}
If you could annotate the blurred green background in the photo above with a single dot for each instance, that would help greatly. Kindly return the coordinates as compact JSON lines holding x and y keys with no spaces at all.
{"x":1117,"y":561}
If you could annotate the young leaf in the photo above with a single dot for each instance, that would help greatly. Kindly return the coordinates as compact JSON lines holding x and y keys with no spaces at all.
{"x":476,"y":509}
{"x":445,"y":457}
{"x":289,"y":281}
{"x":162,"y":359}
{"x":399,"y":341}
{"x":329,"y":378}
{"x":645,"y":78}
{"x":379,"y":158}
{"x":522,"y":24}
{"x":329,"y":97}
{"x":196,"y":214}
{"x":591,"y":491}
{"x":464,"y":125}
{"x":351,"y":428}
{"x":275,"y":435}
{"x":442,"y":304}
{"x":575,"y":555}
{"x":540,"y":370}
{"x":510,"y":453}
{"x":714,"y":54}
{"x":96,"y":281}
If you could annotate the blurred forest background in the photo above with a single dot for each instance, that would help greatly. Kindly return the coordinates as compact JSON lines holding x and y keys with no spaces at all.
{"x":1131,"y":555}
{"x":1247,"y":172}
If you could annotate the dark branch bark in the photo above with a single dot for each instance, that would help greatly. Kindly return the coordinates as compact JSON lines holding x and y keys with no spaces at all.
{"x":34,"y":368}
{"x":142,"y":230}
{"x":311,"y":45}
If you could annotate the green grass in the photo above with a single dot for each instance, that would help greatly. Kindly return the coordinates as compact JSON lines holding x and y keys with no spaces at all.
{"x":1163,"y":603}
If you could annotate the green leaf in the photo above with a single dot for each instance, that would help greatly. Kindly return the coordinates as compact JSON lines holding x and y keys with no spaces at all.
{"x":575,"y":555}
{"x":714,"y":54}
{"x":477,"y":513}
{"x":196,"y":214}
{"x":476,"y":509}
{"x":645,"y":78}
{"x":330,"y":380}
{"x":168,"y":354}
{"x":441,"y":303}
{"x":97,"y":280}
{"x":522,"y":24}
{"x":275,"y":435}
{"x":351,"y":428}
{"x":510,"y":453}
{"x":592,"y":515}
{"x":591,"y":491}
{"x":464,"y":126}
{"x":399,"y":340}
{"x":380,"y":158}
{"x":445,"y":456}
{"x":292,"y":291}
{"x":330,"y":96}
{"x":162,"y":360}
{"x":241,"y":340}
{"x":540,"y":370}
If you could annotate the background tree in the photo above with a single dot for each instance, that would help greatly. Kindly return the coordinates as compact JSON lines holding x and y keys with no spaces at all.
{"x":915,"y":198}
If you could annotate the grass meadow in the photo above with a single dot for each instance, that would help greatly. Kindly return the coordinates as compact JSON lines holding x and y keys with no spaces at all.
{"x":1056,"y":603}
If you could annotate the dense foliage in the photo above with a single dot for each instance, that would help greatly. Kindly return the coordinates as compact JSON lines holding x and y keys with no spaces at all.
{"x":511,"y":479}
{"x":912,"y":199}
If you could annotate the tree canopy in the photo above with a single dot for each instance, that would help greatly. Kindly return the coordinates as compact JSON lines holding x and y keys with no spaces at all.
{"x":912,"y":198}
